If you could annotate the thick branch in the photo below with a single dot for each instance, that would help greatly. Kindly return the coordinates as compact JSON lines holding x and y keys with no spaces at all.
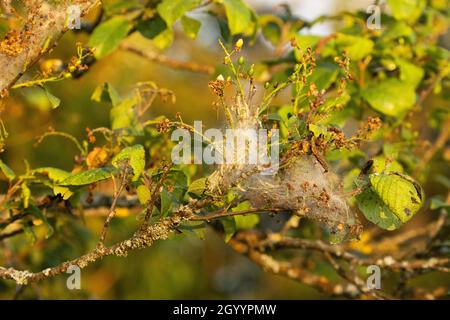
{"x":143,"y":238}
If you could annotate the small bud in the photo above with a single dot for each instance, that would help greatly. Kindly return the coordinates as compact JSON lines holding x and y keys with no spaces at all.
{"x":220,"y":78}
{"x":241,"y":60}
{"x":251,"y":71}
{"x":267,"y":85}
{"x":239,"y":45}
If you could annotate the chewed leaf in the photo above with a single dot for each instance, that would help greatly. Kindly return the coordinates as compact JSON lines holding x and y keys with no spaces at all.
{"x":401,"y":194}
{"x":87,"y":177}
{"x":134,"y":157}
{"x":376,"y":211}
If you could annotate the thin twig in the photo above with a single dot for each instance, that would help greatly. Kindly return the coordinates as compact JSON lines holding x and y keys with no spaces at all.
{"x":166,"y":61}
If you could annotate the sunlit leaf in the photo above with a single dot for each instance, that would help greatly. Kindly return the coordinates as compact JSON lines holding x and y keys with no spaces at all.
{"x":247,"y":221}
{"x":401,"y":194}
{"x":26,"y":195}
{"x":197,"y":187}
{"x":7,"y":171}
{"x":107,"y":36}
{"x":143,"y":194}
{"x":408,"y":10}
{"x":54,"y":174}
{"x":87,"y":177}
{"x":134,"y":157}
{"x":172,"y":10}
{"x":240,"y":17}
{"x":391,"y":97}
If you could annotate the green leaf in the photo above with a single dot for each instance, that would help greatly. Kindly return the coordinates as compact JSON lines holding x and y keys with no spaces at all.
{"x":107,"y":36}
{"x":26,"y":195}
{"x":164,"y":39}
{"x":113,"y":7}
{"x":134,"y":157}
{"x":391,"y":97}
{"x":305,"y":41}
{"x":65,"y":192}
{"x":376,"y":211}
{"x":123,"y":115}
{"x":402,"y":195}
{"x":197,"y":187}
{"x":272,"y":32}
{"x":190,"y":26}
{"x":410,"y":73}
{"x":54,"y":174}
{"x":409,"y":10}
{"x":7,"y":171}
{"x":196,"y":228}
{"x":54,"y":101}
{"x":240,"y":17}
{"x":150,"y":28}
{"x":86,"y":177}
{"x":397,"y":30}
{"x":437,"y":203}
{"x":381,"y":165}
{"x":39,"y":215}
{"x":41,"y":99}
{"x":143,"y":194}
{"x":318,"y":130}
{"x":166,"y":202}
{"x":106,"y":93}
{"x":29,"y":232}
{"x":172,"y":10}
{"x":355,"y":47}
{"x":324,"y":75}
{"x":247,"y":221}
{"x":229,"y":227}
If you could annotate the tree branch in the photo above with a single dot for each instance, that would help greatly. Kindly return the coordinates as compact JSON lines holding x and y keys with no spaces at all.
{"x":164,"y":60}
{"x":21,"y":49}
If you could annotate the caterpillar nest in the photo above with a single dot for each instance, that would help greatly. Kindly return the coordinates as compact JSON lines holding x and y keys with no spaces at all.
{"x":301,"y":187}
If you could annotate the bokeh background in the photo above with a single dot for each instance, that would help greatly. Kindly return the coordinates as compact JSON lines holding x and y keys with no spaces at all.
{"x":183,"y":267}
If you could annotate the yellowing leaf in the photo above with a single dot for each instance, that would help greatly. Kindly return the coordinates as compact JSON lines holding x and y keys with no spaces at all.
{"x":376,"y":211}
{"x":143,"y":194}
{"x":401,"y":194}
{"x":97,"y":158}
